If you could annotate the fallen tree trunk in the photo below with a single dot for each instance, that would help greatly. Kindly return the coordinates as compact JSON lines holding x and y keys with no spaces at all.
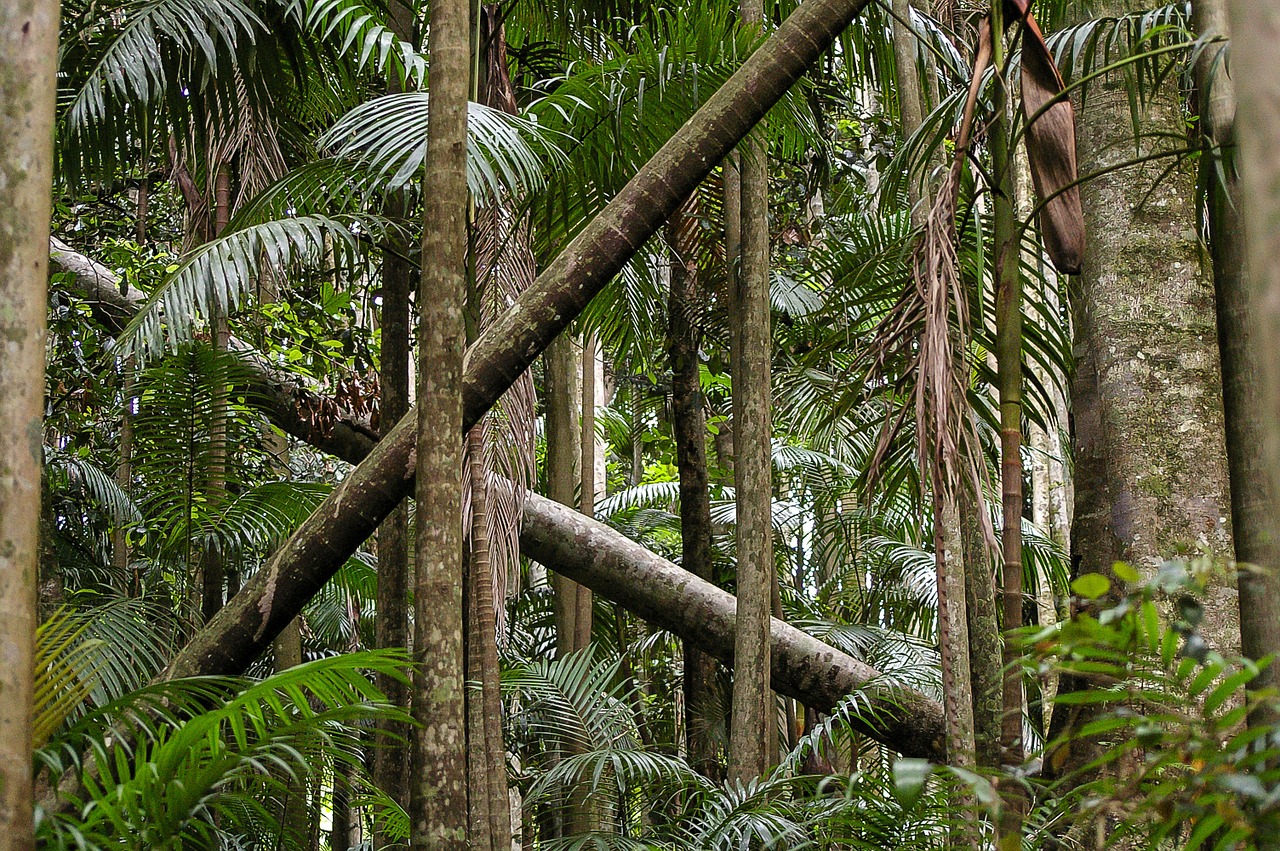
{"x":592,"y":554}
{"x":326,"y":539}
{"x":292,"y":407}
{"x":609,"y":563}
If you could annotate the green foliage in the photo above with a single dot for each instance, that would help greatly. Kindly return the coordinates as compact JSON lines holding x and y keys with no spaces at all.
{"x":1172,"y":763}
{"x":212,"y":757}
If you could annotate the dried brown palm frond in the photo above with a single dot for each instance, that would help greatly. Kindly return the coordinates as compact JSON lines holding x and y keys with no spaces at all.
{"x":1051,"y":146}
{"x":504,"y":268}
{"x":927,"y":334}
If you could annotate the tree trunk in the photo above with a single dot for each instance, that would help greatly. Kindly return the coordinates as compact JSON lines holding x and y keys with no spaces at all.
{"x":391,"y":763}
{"x":689,"y":426}
{"x":28,"y":66}
{"x":753,"y":725}
{"x":1009,"y":361}
{"x":698,"y":612}
{"x":487,"y":762}
{"x":1150,"y":472}
{"x":591,"y":393}
{"x":336,"y":529}
{"x":985,"y":669}
{"x":213,"y":568}
{"x":1255,"y":510}
{"x":438,"y":810}
{"x":910,"y":108}
{"x":563,"y":456}
{"x":1257,"y":28}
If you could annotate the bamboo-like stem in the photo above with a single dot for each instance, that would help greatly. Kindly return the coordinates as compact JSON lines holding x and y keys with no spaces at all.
{"x":1009,"y":365}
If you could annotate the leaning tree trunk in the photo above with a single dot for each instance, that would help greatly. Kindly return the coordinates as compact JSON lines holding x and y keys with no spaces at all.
{"x":28,"y":66}
{"x":438,"y":808}
{"x":1150,"y":471}
{"x":700,"y":613}
{"x":327,"y":538}
{"x":753,"y":726}
{"x":1257,"y":32}
{"x":1243,"y":346}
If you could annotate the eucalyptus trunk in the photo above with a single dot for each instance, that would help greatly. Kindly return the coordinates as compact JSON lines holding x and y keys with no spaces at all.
{"x":689,"y":426}
{"x":28,"y":66}
{"x":1255,"y":509}
{"x":438,"y":808}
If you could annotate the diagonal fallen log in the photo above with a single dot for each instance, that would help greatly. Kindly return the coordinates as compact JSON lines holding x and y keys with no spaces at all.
{"x":326,"y":539}
{"x":602,"y":559}
{"x":292,"y":406}
{"x":609,"y":563}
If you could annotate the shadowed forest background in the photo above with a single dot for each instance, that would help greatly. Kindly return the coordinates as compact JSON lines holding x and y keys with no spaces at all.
{"x":693,"y":424}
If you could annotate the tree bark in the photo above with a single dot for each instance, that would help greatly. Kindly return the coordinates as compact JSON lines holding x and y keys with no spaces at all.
{"x":1256,"y":32}
{"x":698,"y":612}
{"x":28,"y":66}
{"x":1150,"y":471}
{"x":1008,"y":274}
{"x":391,"y":764}
{"x":753,"y":724}
{"x":1255,"y":509}
{"x":213,"y":567}
{"x":438,"y":800}
{"x":563,"y":456}
{"x":391,"y":628}
{"x":346,"y":518}
{"x":689,"y":426}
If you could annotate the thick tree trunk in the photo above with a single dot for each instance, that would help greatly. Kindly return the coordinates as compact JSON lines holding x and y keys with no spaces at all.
{"x":1255,"y":509}
{"x":1150,"y":471}
{"x":689,"y":426}
{"x":754,"y":725}
{"x":1257,"y":30}
{"x":438,"y":800}
{"x":28,"y":65}
{"x":702,"y":614}
{"x":347,"y":517}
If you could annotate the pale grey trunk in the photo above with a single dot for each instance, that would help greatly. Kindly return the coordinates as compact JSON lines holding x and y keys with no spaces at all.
{"x":1150,"y":461}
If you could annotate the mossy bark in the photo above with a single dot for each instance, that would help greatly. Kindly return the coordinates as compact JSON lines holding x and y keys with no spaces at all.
{"x":1150,"y":460}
